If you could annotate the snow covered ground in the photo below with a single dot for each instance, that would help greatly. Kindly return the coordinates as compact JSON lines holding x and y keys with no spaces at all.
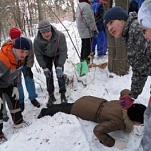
{"x":64,"y":132}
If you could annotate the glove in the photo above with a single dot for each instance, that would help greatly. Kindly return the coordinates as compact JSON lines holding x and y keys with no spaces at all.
{"x":120,"y":145}
{"x":1,"y":103}
{"x":47,"y":72}
{"x":95,"y":34}
{"x":126,"y":102}
{"x":15,"y":93}
{"x":59,"y":72}
{"x":29,"y":72}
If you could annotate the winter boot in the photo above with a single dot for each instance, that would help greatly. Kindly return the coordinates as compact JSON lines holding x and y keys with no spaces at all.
{"x":2,"y":138}
{"x":35,"y":103}
{"x":21,"y":125}
{"x":51,"y":100}
{"x":63,"y":98}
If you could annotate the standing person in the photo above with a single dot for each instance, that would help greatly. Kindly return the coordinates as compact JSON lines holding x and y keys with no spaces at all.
{"x":51,"y":48}
{"x":86,"y":27}
{"x":144,"y":18}
{"x":12,"y":56}
{"x":119,"y":24}
{"x":108,"y":114}
{"x":27,"y":73}
{"x":100,"y":41}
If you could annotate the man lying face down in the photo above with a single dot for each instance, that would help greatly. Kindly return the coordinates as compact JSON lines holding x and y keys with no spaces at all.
{"x":109,"y":115}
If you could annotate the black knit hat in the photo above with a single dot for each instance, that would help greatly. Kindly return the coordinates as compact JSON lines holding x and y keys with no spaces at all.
{"x":115,"y":13}
{"x":22,"y":43}
{"x":136,"y":112}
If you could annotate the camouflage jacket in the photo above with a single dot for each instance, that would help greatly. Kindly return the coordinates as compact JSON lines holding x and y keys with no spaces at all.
{"x":139,"y":56}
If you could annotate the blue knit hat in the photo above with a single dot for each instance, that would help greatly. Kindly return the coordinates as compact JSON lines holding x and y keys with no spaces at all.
{"x":115,"y":13}
{"x":22,"y":43}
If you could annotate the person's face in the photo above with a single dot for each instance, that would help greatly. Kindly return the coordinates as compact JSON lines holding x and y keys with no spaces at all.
{"x":115,"y":27}
{"x":147,"y":33}
{"x":46,"y":35}
{"x":21,"y":54}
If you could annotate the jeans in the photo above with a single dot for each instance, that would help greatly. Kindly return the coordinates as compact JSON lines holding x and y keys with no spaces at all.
{"x":101,"y":42}
{"x":30,"y":86}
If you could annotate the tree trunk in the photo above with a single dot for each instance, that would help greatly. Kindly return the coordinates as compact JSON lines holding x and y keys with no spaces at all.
{"x":117,"y":49}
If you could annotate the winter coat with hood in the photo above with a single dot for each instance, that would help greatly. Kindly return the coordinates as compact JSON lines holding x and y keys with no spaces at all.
{"x":139,"y":55}
{"x":56,"y":46}
{"x":85,"y":20}
{"x":29,"y":61}
{"x":98,"y":11}
{"x":9,"y":66}
{"x":109,"y":115}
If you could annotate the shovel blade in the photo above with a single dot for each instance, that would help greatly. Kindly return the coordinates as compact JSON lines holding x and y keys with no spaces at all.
{"x":82,"y":68}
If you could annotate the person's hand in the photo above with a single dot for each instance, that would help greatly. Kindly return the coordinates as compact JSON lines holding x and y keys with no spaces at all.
{"x":47,"y":72}
{"x":29,"y":72}
{"x":15,"y":93}
{"x":126,"y":102}
{"x":59,"y":72}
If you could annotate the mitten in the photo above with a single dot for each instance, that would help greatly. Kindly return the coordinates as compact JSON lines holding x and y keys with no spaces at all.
{"x":29,"y":72}
{"x":47,"y":72}
{"x":59,"y":72}
{"x":126,"y":102}
{"x":15,"y":93}
{"x":120,"y":145}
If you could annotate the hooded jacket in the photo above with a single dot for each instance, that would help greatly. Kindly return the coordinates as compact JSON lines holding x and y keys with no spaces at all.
{"x":109,"y":115}
{"x":85,"y":20}
{"x":9,"y":66}
{"x":139,"y":55}
{"x":98,"y":11}
{"x":56,"y":46}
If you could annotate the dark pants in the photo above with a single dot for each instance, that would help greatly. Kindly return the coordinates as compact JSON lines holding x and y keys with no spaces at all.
{"x":50,"y":81}
{"x":86,"y":48}
{"x":13,"y":106}
{"x":55,"y":108}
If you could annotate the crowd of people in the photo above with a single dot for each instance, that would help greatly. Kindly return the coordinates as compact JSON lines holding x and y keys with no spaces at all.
{"x":96,"y":21}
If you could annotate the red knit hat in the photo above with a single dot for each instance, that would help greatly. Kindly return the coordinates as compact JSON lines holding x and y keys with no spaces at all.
{"x":14,"y":33}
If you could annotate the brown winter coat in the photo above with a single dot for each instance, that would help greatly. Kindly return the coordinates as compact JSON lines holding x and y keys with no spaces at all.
{"x":109,"y":115}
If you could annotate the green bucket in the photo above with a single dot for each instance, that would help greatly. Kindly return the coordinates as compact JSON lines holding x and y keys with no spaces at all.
{"x":82,"y":68}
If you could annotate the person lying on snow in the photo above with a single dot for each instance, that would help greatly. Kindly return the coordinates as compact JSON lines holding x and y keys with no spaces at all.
{"x":109,"y":115}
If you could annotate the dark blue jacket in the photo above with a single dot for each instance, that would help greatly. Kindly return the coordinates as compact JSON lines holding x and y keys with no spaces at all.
{"x":98,"y":10}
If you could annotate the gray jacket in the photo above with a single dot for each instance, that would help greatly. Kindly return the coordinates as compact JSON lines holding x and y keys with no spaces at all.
{"x":56,"y":46}
{"x":85,"y":20}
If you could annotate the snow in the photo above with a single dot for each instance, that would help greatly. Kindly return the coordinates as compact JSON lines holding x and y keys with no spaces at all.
{"x":64,"y":132}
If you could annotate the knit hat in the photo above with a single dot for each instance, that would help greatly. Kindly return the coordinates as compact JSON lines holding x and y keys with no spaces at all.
{"x":14,"y":33}
{"x":115,"y":13}
{"x":44,"y":26}
{"x":22,"y":43}
{"x":144,"y":14}
{"x":136,"y":112}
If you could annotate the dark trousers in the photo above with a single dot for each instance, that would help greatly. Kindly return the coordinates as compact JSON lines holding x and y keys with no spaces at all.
{"x":55,"y":108}
{"x":50,"y":81}
{"x":13,"y":106}
{"x":86,"y":48}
